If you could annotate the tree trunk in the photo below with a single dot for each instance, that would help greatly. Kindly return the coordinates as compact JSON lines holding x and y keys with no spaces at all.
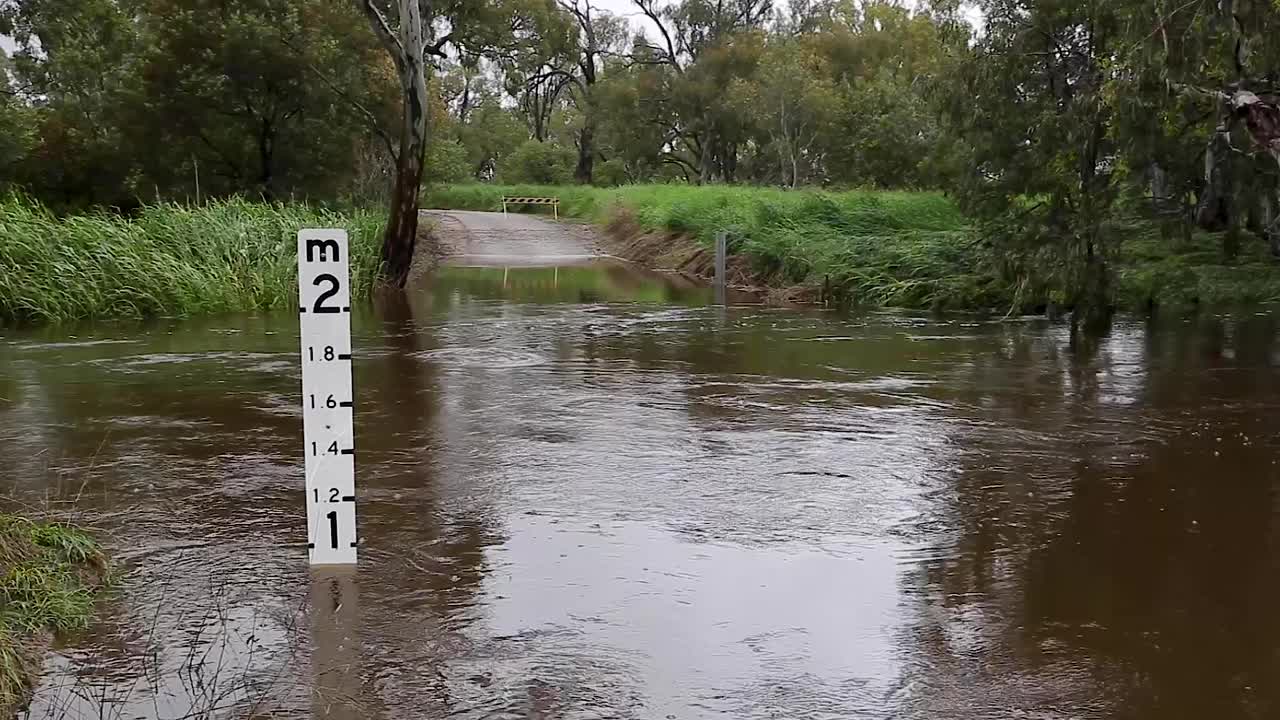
{"x":400,"y":240}
{"x":586,"y":150}
{"x":1163,"y":202}
{"x":266,"y":159}
{"x":1213,"y":212}
{"x":706,"y":163}
{"x":407,"y":50}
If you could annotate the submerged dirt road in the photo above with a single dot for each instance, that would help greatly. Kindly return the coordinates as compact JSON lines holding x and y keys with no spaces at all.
{"x":494,"y":239}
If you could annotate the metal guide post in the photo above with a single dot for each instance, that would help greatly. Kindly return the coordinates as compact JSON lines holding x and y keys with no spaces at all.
{"x":722,"y":252}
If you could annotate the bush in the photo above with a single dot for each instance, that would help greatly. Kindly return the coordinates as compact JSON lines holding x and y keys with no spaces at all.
{"x":446,"y":162}
{"x":541,"y":163}
{"x":49,"y":575}
{"x":610,"y":173}
{"x":168,"y":260}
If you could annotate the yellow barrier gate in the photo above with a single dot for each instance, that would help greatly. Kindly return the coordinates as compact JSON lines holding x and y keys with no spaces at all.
{"x":552,"y":201}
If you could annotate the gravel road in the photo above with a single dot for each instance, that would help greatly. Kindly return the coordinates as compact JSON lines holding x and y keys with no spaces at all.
{"x":492,"y":239}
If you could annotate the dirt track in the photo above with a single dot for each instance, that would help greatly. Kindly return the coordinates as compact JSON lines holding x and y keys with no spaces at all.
{"x":492,"y":239}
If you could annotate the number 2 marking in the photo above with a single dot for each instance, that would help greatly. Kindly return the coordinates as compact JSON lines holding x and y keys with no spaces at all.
{"x":319,"y":306}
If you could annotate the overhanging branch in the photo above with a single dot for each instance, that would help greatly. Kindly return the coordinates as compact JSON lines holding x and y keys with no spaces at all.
{"x":383,"y":30}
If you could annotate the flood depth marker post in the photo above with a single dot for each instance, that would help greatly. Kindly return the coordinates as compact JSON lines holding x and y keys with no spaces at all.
{"x":328,"y":407}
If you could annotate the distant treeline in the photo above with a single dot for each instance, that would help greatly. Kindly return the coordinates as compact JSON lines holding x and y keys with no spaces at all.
{"x":1045,"y":119}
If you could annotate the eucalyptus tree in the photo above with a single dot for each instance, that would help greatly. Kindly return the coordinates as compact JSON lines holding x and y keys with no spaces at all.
{"x":700,"y":48}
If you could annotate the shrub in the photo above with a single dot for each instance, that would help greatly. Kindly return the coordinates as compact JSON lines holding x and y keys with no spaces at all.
{"x":536,"y":162}
{"x":168,"y":260}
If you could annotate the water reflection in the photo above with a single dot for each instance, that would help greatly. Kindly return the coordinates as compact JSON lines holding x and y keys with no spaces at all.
{"x":588,"y":495}
{"x":1111,"y":548}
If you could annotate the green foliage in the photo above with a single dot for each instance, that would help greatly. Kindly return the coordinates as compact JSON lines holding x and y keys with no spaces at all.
{"x":490,"y":133}
{"x":446,"y":162}
{"x":1154,"y":270}
{"x":15,"y":136}
{"x":611,"y":173}
{"x":133,"y":102}
{"x":1080,"y":118}
{"x":792,"y":99}
{"x":15,"y":125}
{"x":167,"y":260}
{"x":70,"y":544}
{"x":907,"y":249}
{"x":897,"y":248}
{"x":539,"y":163}
{"x":49,"y":573}
{"x":1028,"y":102}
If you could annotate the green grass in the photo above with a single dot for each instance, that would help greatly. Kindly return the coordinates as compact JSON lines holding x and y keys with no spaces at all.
{"x":49,"y":574}
{"x":910,"y":249}
{"x":903,"y":249}
{"x":168,"y":260}
{"x":1174,"y":273}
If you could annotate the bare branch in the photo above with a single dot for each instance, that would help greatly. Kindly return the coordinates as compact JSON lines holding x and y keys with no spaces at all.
{"x":436,"y":49}
{"x":647,"y":7}
{"x":1199,"y":92}
{"x":370,"y":118}
{"x":382,"y":29}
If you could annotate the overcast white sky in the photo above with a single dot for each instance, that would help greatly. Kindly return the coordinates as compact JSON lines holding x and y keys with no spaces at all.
{"x":628,"y":9}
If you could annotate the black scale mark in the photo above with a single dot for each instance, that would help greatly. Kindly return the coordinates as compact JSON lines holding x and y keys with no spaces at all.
{"x":349,"y":451}
{"x":346,"y":403}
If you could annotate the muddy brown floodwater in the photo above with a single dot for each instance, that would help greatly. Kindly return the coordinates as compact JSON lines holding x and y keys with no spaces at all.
{"x":585,"y":493}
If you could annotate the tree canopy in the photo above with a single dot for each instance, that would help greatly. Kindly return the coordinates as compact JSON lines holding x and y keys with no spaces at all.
{"x":1051,"y":121}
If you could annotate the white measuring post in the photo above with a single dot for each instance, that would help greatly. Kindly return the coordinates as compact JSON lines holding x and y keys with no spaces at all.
{"x":328,"y":403}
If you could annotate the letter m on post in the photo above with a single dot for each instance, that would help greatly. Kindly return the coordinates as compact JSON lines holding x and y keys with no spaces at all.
{"x":323,"y":247}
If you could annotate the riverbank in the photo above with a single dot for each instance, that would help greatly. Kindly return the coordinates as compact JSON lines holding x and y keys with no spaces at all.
{"x":50,"y":574}
{"x":167,"y":260}
{"x":901,"y":249}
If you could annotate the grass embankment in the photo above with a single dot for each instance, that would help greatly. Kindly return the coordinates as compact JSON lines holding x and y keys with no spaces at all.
{"x":884,"y":248}
{"x":905,"y":249}
{"x":49,"y":575}
{"x":169,"y":260}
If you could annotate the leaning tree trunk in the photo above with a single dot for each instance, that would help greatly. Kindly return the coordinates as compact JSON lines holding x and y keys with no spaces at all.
{"x":586,"y":151}
{"x":1262,"y":118}
{"x":406,"y":48}
{"x":1213,"y":212}
{"x":706,"y":163}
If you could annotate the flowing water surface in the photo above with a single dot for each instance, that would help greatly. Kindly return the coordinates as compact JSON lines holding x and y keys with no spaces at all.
{"x":587,"y":493}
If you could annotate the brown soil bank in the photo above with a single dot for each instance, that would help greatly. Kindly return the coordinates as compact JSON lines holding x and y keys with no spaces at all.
{"x":680,"y":253}
{"x":50,"y":574}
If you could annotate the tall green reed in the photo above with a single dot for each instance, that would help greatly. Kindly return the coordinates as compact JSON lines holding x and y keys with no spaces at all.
{"x":167,"y":260}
